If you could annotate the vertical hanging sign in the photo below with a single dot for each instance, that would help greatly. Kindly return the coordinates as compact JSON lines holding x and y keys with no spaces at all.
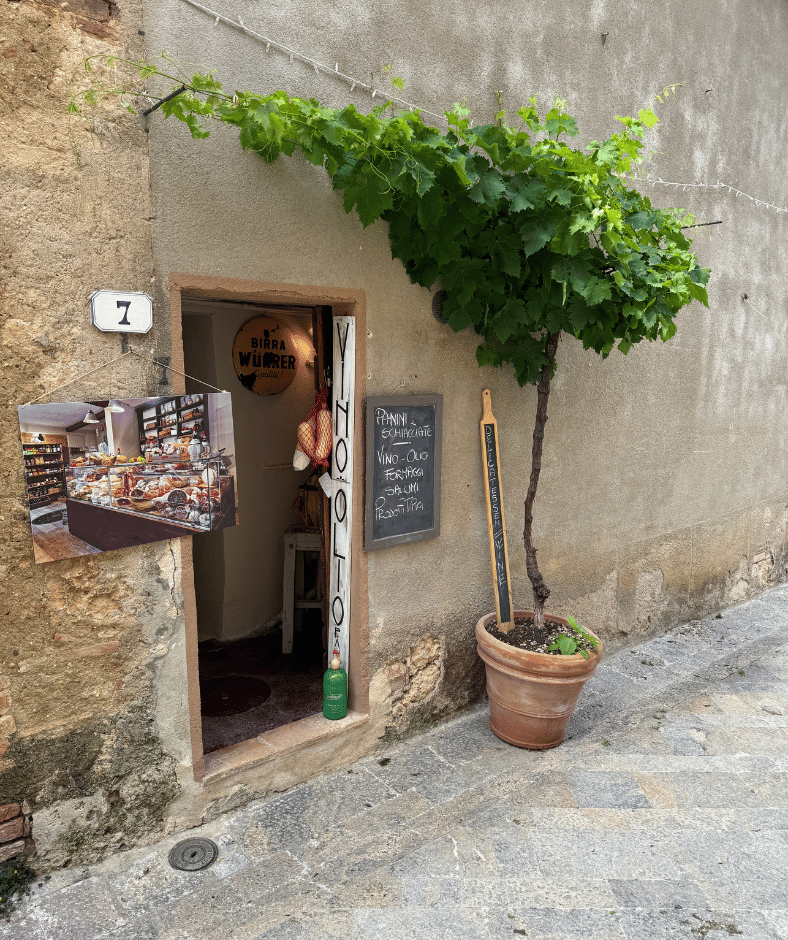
{"x":499,"y":555}
{"x":344,"y":386}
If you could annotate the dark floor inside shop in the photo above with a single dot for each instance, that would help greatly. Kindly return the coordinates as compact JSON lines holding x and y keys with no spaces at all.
{"x":249,"y":686}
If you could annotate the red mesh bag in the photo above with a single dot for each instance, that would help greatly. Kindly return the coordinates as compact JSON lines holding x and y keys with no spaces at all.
{"x":314,"y":432}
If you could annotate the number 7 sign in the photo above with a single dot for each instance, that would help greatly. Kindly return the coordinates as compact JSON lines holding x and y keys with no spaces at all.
{"x":113,"y":311}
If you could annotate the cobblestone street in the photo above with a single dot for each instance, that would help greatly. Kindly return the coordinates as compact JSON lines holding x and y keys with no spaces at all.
{"x":663,"y":815}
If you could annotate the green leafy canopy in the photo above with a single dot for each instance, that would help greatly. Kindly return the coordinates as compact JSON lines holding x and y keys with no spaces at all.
{"x":526,"y":235}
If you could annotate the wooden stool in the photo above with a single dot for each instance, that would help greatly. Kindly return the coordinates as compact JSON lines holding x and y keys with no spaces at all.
{"x":293,"y":582}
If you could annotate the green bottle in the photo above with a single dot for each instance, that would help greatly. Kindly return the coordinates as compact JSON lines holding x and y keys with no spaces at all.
{"x":335,"y":690}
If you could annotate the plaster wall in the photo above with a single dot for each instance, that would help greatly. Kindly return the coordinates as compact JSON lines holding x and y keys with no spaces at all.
{"x":82,"y":439}
{"x":81,"y":639}
{"x":220,"y":416}
{"x":124,"y":430}
{"x":663,"y":493}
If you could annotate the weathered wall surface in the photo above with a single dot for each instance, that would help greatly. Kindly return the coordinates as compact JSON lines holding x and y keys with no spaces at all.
{"x":663,"y":492}
{"x":80,"y":640}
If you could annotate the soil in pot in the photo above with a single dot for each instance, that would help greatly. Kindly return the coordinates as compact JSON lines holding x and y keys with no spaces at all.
{"x":527,"y":636}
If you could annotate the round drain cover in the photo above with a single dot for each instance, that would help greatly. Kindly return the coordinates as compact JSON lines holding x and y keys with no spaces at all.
{"x":193,"y":854}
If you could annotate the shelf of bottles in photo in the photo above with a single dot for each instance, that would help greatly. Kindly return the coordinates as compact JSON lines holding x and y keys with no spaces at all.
{"x":173,"y":420}
{"x":44,"y":472}
{"x":42,"y":455}
{"x":30,"y":450}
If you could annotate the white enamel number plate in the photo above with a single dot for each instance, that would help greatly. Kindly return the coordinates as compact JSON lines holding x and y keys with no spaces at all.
{"x":114,"y":311}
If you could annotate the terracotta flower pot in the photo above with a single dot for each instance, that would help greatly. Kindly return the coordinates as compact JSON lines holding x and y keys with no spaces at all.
{"x":532,"y":695}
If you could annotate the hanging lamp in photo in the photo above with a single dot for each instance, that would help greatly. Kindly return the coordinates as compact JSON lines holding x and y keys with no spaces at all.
{"x":115,"y":407}
{"x":90,"y":418}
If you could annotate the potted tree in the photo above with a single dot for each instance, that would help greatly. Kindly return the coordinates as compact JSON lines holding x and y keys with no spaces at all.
{"x":528,"y":237}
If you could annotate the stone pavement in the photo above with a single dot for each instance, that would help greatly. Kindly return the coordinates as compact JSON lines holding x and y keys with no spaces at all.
{"x":663,"y":815}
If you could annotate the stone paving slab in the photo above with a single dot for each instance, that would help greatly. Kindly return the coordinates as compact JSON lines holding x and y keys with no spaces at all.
{"x":663,"y":815}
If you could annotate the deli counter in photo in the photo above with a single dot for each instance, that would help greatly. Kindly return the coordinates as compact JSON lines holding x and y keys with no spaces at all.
{"x":110,"y":504}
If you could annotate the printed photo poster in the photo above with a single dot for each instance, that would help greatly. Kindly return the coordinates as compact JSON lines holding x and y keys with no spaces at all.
{"x":106,"y":475}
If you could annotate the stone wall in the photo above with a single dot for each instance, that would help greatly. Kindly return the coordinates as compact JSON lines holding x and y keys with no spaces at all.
{"x":14,"y":828}
{"x":78,"y":746}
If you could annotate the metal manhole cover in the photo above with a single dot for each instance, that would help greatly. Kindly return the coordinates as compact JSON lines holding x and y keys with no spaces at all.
{"x":193,"y":854}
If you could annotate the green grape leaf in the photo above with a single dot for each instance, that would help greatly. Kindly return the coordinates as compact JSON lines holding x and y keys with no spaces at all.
{"x":507,"y":250}
{"x":523,"y":192}
{"x":488,"y":188}
{"x":536,"y":233}
{"x":595,"y":290}
{"x":367,"y":199}
{"x":562,"y":196}
{"x":642,"y":220}
{"x":526,"y":235}
{"x":571,"y":272}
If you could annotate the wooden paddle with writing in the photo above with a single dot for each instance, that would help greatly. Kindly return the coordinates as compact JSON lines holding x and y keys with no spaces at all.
{"x":496,"y":525}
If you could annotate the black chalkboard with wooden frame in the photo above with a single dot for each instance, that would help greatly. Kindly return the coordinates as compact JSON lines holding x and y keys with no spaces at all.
{"x":499,"y":552}
{"x":403,"y":469}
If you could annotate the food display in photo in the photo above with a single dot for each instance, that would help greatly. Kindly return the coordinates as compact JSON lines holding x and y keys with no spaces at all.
{"x":193,"y":493}
{"x":160,"y":469}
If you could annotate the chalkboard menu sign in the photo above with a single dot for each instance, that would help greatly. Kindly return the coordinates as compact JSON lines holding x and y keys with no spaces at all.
{"x":403,"y":470}
{"x":499,"y":556}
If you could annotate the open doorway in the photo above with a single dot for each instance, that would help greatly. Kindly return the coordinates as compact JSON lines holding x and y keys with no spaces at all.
{"x":248,"y":685}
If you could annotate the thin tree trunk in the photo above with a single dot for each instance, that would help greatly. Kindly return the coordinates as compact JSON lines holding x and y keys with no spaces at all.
{"x":541,"y":590}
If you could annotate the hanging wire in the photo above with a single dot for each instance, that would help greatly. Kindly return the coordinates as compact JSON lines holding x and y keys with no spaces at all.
{"x":293,"y":53}
{"x":717,"y":185}
{"x":160,"y":102}
{"x":702,"y":224}
{"x":131,"y":352}
{"x":760,"y":312}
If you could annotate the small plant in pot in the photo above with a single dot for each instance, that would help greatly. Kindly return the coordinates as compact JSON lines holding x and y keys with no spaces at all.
{"x":528,"y":237}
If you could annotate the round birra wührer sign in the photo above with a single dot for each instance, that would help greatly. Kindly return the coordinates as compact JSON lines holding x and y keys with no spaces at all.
{"x":264,"y":356}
